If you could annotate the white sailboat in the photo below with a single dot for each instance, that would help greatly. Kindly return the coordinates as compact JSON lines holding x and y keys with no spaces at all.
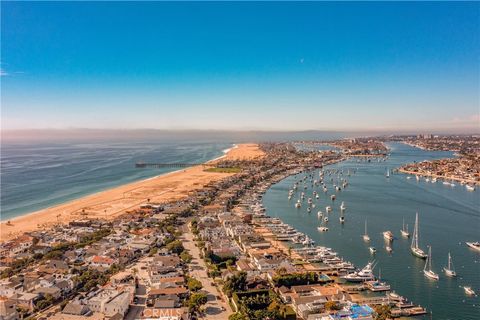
{"x":427,"y":269}
{"x":404,"y":230}
{"x":388,"y":173}
{"x":414,"y":248}
{"x":342,"y":217}
{"x":366,"y":237}
{"x":449,"y":270}
{"x":323,"y":227}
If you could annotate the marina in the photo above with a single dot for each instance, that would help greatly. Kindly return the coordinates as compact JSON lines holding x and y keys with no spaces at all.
{"x":376,"y":204}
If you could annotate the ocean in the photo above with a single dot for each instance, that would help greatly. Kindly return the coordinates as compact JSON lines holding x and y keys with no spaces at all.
{"x":35,"y":176}
{"x":448,"y":217}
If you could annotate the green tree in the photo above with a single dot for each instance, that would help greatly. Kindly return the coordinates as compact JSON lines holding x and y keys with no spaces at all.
{"x":332,"y":306}
{"x":186,"y":257}
{"x":237,"y":316}
{"x":383,"y":312}
{"x":196,"y":301}
{"x":193,"y":284}
{"x":175,"y":247}
{"x":237,"y":282}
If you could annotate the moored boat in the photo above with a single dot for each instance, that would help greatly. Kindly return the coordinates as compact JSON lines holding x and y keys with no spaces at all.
{"x":474,"y":245}
{"x":469,"y":291}
{"x":449,"y":270}
{"x":388,"y":235}
{"x":427,"y":269}
{"x":414,"y":247}
{"x":366,"y":237}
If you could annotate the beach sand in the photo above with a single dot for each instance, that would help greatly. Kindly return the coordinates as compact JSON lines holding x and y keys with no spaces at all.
{"x":113,"y":202}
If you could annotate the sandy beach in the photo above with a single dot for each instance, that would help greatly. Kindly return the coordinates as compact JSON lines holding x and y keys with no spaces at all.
{"x":113,"y":202}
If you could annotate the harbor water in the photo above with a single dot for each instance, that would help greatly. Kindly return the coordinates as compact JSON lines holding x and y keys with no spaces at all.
{"x":448,"y":216}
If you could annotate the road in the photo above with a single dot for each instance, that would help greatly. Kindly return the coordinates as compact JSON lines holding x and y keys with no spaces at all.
{"x":215,"y":308}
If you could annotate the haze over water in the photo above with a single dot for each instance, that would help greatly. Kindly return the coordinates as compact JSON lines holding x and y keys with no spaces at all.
{"x":448,"y":217}
{"x":36,"y":176}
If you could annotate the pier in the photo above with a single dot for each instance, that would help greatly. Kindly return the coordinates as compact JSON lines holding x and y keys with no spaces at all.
{"x":144,"y":165}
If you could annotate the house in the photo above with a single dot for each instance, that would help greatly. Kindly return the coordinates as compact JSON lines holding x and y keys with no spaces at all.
{"x":101,"y":261}
{"x":110,"y":302}
{"x":8,"y":309}
{"x":26,"y":300}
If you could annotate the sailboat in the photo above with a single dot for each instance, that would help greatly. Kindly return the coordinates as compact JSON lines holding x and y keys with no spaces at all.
{"x":427,"y":269}
{"x":404,"y":230}
{"x":342,"y":217}
{"x":416,"y":251}
{"x":449,"y":270}
{"x":323,"y":227}
{"x":366,"y":237}
{"x":388,"y":173}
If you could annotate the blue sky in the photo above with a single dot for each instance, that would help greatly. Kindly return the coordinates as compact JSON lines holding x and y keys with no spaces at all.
{"x":288,"y":66}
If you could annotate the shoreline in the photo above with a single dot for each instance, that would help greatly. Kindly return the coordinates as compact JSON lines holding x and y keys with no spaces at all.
{"x":416,"y":173}
{"x":115,"y":201}
{"x":225,"y":151}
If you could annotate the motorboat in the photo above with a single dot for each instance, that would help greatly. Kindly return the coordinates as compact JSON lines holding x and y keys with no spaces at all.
{"x":388,"y":235}
{"x":469,"y":291}
{"x":365,"y":274}
{"x":474,"y":245}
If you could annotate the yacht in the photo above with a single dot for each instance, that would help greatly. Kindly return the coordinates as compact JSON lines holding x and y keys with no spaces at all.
{"x":378,"y":285}
{"x":404,"y":230}
{"x":332,"y":197}
{"x":309,"y":210}
{"x":372,"y":250}
{"x":388,"y":235}
{"x":366,"y":237}
{"x":414,"y":248}
{"x":366,"y":274}
{"x":469,"y":291}
{"x":408,"y":177}
{"x":319,"y":214}
{"x":317,"y":196}
{"x":342,"y":218}
{"x":389,"y":249}
{"x":328,"y":209}
{"x":388,"y":173}
{"x":427,"y":269}
{"x":474,"y":245}
{"x":449,"y":270}
{"x":298,"y":204}
{"x":325,"y":219}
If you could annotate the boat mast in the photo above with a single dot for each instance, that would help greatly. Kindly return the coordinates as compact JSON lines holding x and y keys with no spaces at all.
{"x":415,"y":233}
